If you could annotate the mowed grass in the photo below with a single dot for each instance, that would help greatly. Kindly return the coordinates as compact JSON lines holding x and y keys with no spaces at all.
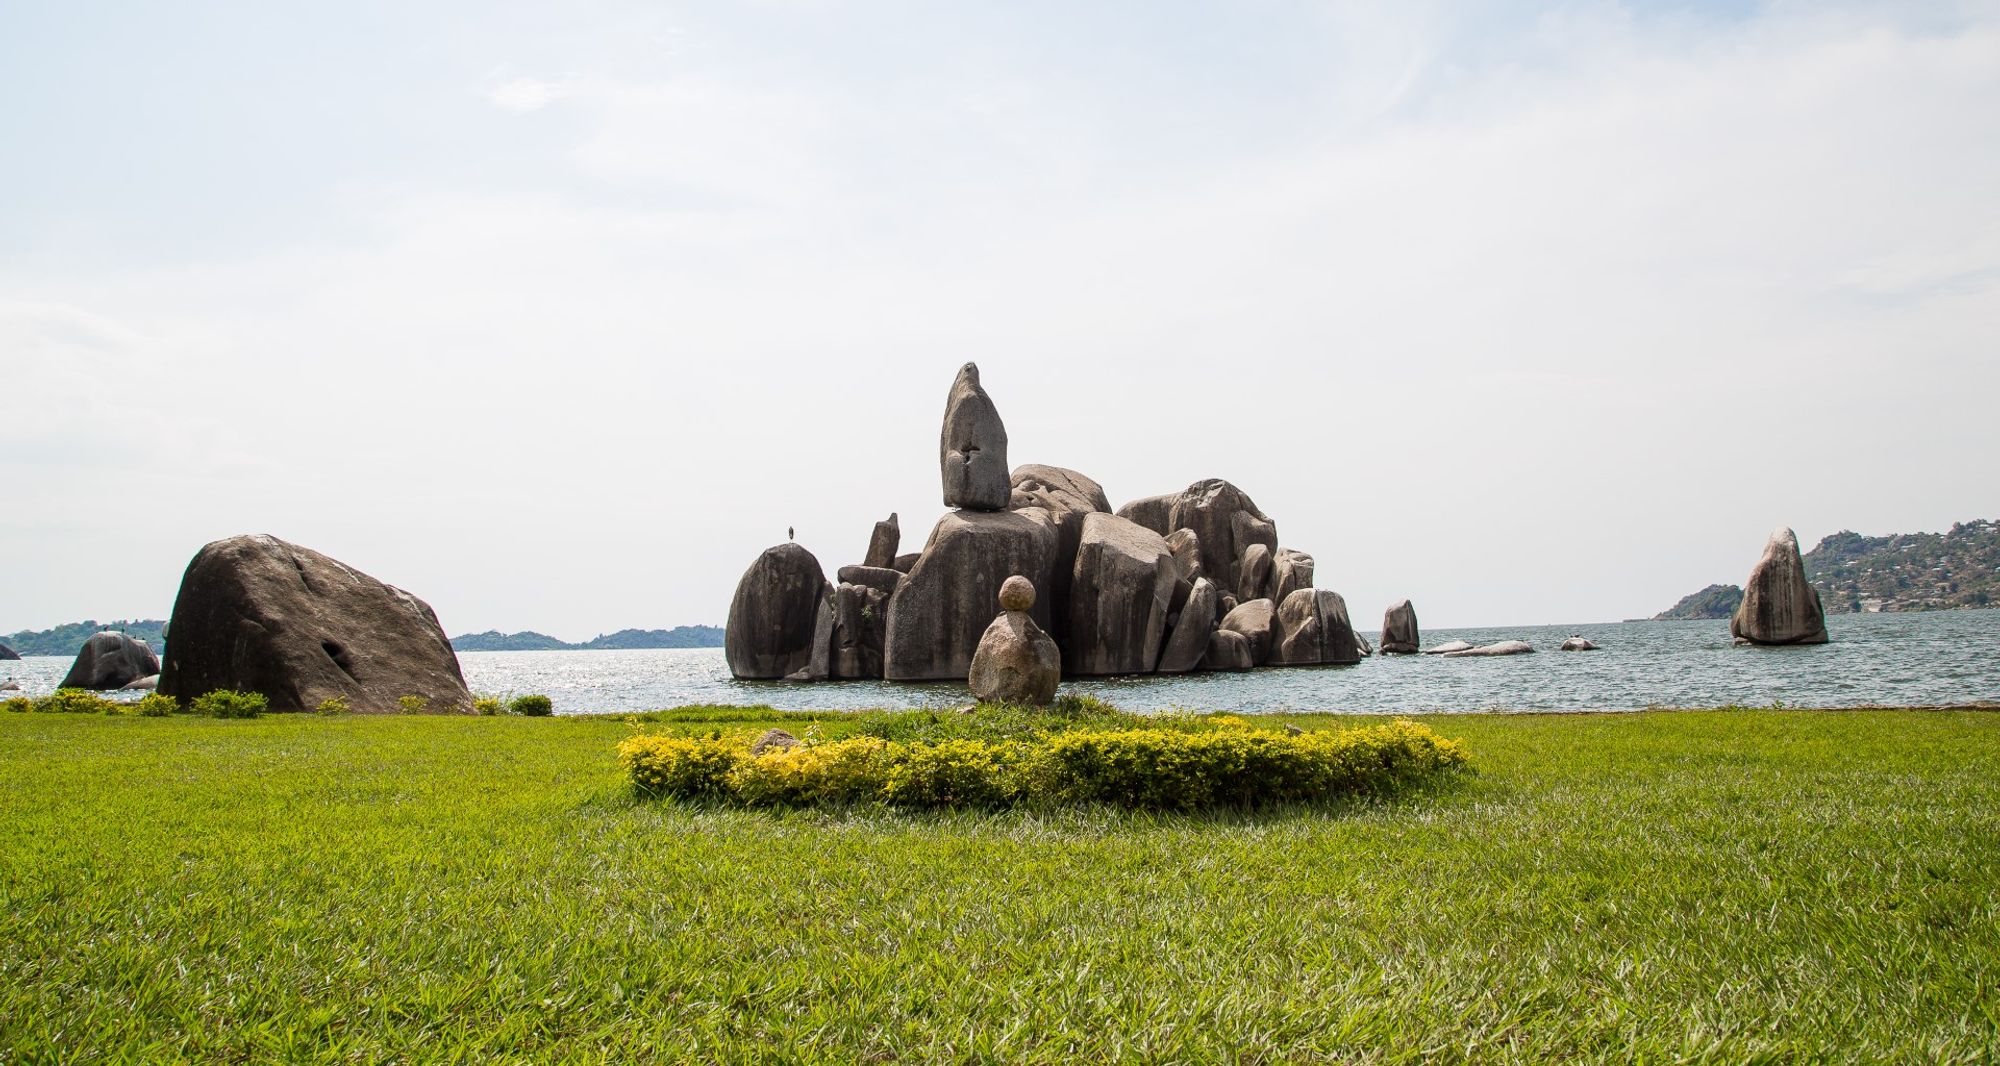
{"x":1721,"y":886}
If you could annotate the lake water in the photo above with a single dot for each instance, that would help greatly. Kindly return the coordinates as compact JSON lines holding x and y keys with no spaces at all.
{"x":1949,"y":657}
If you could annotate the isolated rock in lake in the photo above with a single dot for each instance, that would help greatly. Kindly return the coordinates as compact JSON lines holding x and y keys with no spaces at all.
{"x":1015,"y":661}
{"x":1399,"y":630}
{"x":1123,"y":586}
{"x":8,"y":653}
{"x":1578,"y":644}
{"x":1291,"y":570}
{"x":1228,"y":650}
{"x":940,"y":610}
{"x":1448,"y":647}
{"x":110,"y":661}
{"x":1188,"y":642}
{"x":1779,"y":605}
{"x":1361,"y":644}
{"x":772,"y":619}
{"x":1312,"y":627}
{"x":1504,"y":647}
{"x":880,"y":578}
{"x":1253,"y":621}
{"x":1227,"y":523}
{"x":1253,"y":574}
{"x":258,"y":614}
{"x":144,"y":684}
{"x":1068,"y":497}
{"x":883,"y":542}
{"x":860,"y":625}
{"x":972,"y":449}
{"x":1151,"y":512}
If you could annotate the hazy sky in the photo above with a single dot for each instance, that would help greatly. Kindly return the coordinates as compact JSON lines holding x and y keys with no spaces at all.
{"x":557,"y":315}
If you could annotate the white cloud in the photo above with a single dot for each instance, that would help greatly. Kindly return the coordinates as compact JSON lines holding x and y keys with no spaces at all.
{"x":527,"y":94}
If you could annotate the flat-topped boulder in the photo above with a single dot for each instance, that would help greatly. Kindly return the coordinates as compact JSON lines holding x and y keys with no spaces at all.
{"x":258,"y":614}
{"x":944,"y":605}
{"x":972,"y":449}
{"x":1312,"y":628}
{"x":1779,"y":605}
{"x":1448,"y":647}
{"x":1399,"y":630}
{"x":1503,"y":647}
{"x":1123,"y":586}
{"x":110,"y":660}
{"x":774,"y":614}
{"x":880,"y":578}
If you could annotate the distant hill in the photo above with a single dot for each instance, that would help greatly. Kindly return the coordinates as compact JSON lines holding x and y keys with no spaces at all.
{"x":1955,"y":570}
{"x":1715,"y":601}
{"x":623,"y":640}
{"x":67,"y":639}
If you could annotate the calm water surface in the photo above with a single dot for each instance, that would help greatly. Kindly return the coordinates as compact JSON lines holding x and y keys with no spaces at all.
{"x":1947,"y":657}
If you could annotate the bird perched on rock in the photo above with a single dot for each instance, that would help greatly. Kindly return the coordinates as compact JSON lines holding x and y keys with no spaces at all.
{"x":790,"y":534}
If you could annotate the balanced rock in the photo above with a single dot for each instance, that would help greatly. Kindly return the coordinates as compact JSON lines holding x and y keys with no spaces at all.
{"x":1579,"y":644}
{"x":1015,"y":661}
{"x":883,"y":542}
{"x":111,"y":660}
{"x":1227,"y":522}
{"x":1189,"y":641}
{"x":1228,"y":650}
{"x":1153,"y":512}
{"x":1291,"y":570}
{"x":860,"y":622}
{"x":972,"y":450}
{"x":774,"y":614}
{"x":8,"y":653}
{"x":1448,"y":647}
{"x":940,"y":610}
{"x":1123,"y":586}
{"x":1399,"y":629}
{"x":1313,"y":628}
{"x":1253,"y":574}
{"x":257,"y":614}
{"x":1253,"y":621}
{"x":880,"y":578}
{"x":1779,"y":605}
{"x":1504,"y":647}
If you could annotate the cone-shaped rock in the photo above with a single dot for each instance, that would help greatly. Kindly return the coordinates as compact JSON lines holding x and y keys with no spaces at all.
{"x":1015,"y":661}
{"x":972,"y":450}
{"x":882,"y":543}
{"x":1779,"y":605}
{"x":1189,"y":640}
{"x":774,"y":615}
{"x":940,"y":610}
{"x":1227,"y":522}
{"x":1124,"y":583}
{"x":1399,"y":629}
{"x":257,"y":614}
{"x":1152,"y":512}
{"x":8,"y":653}
{"x":110,"y":660}
{"x":1313,"y":628}
{"x":1253,"y":620}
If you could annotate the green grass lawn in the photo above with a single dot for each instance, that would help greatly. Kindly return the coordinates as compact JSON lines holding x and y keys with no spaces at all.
{"x":1706,"y":886}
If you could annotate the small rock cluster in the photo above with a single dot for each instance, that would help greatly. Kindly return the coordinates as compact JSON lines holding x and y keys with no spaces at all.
{"x":1194,"y":580}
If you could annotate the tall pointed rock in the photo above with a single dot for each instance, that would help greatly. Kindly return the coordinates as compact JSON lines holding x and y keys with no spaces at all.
{"x":972,"y":450}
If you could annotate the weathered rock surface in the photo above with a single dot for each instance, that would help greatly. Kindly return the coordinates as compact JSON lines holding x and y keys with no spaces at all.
{"x":147,"y":683}
{"x":1504,"y":647}
{"x":1579,"y":644}
{"x":1448,"y":647}
{"x":940,"y":611}
{"x":1253,"y":574}
{"x":109,"y":661}
{"x":1188,"y":641}
{"x":1254,"y":621}
{"x":1228,"y":650}
{"x":773,"y":740}
{"x":1227,"y":522}
{"x":1779,"y":605}
{"x":1361,"y":643}
{"x":1186,"y":546}
{"x":1291,"y":570}
{"x":880,"y":578}
{"x":883,"y":542}
{"x":257,"y":614}
{"x":906,"y":561}
{"x":1015,"y":661}
{"x":1151,"y":511}
{"x":8,"y":653}
{"x":1123,"y":586}
{"x":1399,"y":630}
{"x":972,"y":450}
{"x":819,"y":660}
{"x":774,"y":615}
{"x":860,"y":626}
{"x":1312,"y":627}
{"x":1068,"y":497}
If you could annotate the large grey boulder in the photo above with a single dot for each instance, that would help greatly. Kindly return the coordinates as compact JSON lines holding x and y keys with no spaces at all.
{"x":880,"y":578}
{"x":111,"y":660}
{"x":1254,"y":621}
{"x":1186,"y":546}
{"x":1503,"y":647}
{"x":860,"y":623}
{"x":1228,"y":650}
{"x":972,"y":449}
{"x":1123,"y":586}
{"x":1312,"y":627}
{"x":1227,"y":522}
{"x":774,"y":615}
{"x":883,"y":542}
{"x":1189,"y":640}
{"x":1399,"y":629}
{"x":257,"y":614}
{"x":940,"y":610}
{"x":1068,"y":497}
{"x":906,"y":561}
{"x":1779,"y":605}
{"x":1151,"y":511}
{"x":1291,"y":570}
{"x":1253,"y":574}
{"x":8,"y":653}
{"x":1015,"y":661}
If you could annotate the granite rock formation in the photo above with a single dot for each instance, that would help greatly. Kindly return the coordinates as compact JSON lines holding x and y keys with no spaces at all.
{"x":1227,"y":522}
{"x":1579,"y":644}
{"x":941,"y":609}
{"x":1312,"y":628}
{"x":1188,"y":642}
{"x":1399,"y":630}
{"x":774,"y":615}
{"x":111,"y":660}
{"x":1779,"y":605}
{"x":1068,"y":497}
{"x":1254,"y":621}
{"x":1151,"y":512}
{"x":1123,"y":586}
{"x":257,"y":614}
{"x":883,"y":542}
{"x":860,"y":628}
{"x":972,"y":450}
{"x":1015,"y":661}
{"x":1229,"y":650}
{"x":1291,"y":570}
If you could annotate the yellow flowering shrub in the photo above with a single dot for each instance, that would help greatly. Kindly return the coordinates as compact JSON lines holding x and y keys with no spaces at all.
{"x":671,"y":766}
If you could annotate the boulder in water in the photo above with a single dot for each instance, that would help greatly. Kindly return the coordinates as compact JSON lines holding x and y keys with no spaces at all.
{"x":1448,"y":647}
{"x":1254,"y":621}
{"x":1578,"y":644}
{"x":111,"y":660}
{"x":774,"y":614}
{"x":8,"y":653}
{"x":1228,"y":650}
{"x":1312,"y":627}
{"x":1779,"y":605}
{"x":1399,"y":629}
{"x":1504,"y":647}
{"x":972,"y":449}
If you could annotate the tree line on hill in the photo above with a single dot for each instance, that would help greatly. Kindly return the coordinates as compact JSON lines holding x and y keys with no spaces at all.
{"x":623,"y":640}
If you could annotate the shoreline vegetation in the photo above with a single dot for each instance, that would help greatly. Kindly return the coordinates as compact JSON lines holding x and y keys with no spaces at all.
{"x":1699,"y":885}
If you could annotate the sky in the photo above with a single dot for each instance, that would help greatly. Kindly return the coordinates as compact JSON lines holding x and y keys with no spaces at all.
{"x":557,"y":315}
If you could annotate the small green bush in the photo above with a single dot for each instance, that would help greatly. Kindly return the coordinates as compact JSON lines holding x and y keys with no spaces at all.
{"x":957,"y":773}
{"x":844,"y":771}
{"x":488,"y":705}
{"x":413,"y":704}
{"x":670,"y":766}
{"x":333,"y":706}
{"x":156,"y":705}
{"x":224,"y":703}
{"x":533,"y":706}
{"x":19,"y":704}
{"x":74,"y":701}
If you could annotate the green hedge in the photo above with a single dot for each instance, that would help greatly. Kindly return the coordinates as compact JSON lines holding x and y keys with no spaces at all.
{"x":1156,"y":768}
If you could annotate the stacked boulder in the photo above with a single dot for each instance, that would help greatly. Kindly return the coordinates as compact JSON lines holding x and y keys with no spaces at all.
{"x":1194,"y":580}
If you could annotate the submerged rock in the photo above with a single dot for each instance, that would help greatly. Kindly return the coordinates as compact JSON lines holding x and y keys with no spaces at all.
{"x":1779,"y":605}
{"x":1504,"y":647}
{"x":774,"y":615}
{"x":1015,"y":661}
{"x":111,"y":660}
{"x":972,"y":449}
{"x":1399,"y":629}
{"x":1448,"y":647}
{"x":1578,"y":644}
